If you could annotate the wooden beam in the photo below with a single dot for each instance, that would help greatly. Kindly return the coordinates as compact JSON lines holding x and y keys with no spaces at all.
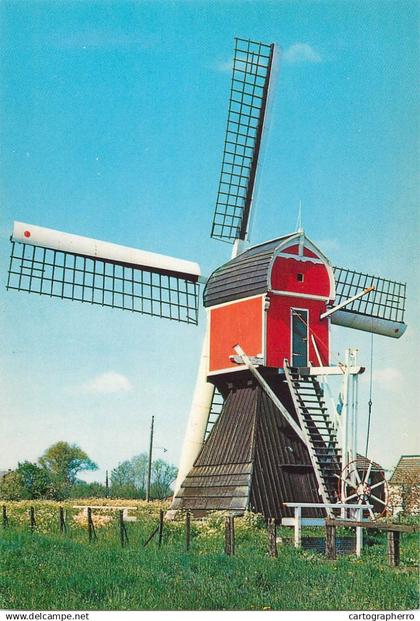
{"x":393,"y":548}
{"x":330,"y":541}
{"x":346,"y":302}
{"x":270,"y":393}
{"x":398,"y":528}
{"x":272,"y":537}
{"x":340,"y":370}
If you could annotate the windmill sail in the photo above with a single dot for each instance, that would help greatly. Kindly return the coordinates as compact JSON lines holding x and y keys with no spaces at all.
{"x":247,"y":105}
{"x":71,"y":267}
{"x":381,"y":311}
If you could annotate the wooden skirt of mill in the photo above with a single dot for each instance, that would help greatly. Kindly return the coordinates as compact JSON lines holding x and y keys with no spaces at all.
{"x":252,"y":459}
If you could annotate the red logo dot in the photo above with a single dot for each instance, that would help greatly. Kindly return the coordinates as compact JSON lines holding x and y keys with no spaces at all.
{"x":27,"y":233}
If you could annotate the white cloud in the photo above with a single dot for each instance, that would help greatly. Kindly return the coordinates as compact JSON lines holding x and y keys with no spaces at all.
{"x":107,"y":384}
{"x":301,"y":53}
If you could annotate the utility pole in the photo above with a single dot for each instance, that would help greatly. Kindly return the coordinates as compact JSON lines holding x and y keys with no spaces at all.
{"x":149,"y":468}
{"x":106,"y":484}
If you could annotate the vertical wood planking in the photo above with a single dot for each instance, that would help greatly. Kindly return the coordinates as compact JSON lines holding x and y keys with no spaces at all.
{"x":187,"y":530}
{"x":91,"y":527}
{"x":272,"y":538}
{"x":121,"y":523}
{"x":330,"y":542}
{"x":32,"y":522}
{"x":123,"y":529}
{"x":62,"y":520}
{"x":5,"y":517}
{"x":160,"y":531}
{"x":393,"y":548}
{"x":229,"y":535}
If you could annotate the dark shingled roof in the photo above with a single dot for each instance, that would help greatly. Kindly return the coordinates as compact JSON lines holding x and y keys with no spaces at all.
{"x":407,"y":470}
{"x":243,"y":276}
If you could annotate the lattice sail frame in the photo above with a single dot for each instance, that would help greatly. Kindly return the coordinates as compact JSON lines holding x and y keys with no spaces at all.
{"x":386,"y":301}
{"x":65,"y":275}
{"x":247,"y":104}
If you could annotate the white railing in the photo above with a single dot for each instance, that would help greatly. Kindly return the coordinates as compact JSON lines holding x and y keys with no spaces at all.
{"x":298,"y":521}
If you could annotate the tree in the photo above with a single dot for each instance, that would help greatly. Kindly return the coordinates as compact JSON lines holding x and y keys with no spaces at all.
{"x":123,"y":474}
{"x":122,"y":481}
{"x":81,"y":489}
{"x":64,"y":461}
{"x":28,"y":482}
{"x":163,"y":475}
{"x":11,"y":486}
{"x":409,"y":492}
{"x":129,"y":478}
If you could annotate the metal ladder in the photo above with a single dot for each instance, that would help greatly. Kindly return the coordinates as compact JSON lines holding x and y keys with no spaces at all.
{"x":214,"y":412}
{"x":321,"y":436}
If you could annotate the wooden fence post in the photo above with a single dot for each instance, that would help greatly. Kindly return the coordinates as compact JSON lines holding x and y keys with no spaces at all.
{"x":272,"y":537}
{"x":393,"y":548}
{"x":227,"y":536}
{"x":63,"y":525}
{"x":5,"y":517}
{"x":187,"y":529}
{"x":91,"y":526}
{"x":160,"y":531}
{"x":330,"y":541}
{"x":123,"y":529}
{"x":32,"y":522}
{"x":230,"y":535}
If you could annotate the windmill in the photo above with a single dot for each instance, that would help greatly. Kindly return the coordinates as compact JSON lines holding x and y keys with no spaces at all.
{"x":260,"y":431}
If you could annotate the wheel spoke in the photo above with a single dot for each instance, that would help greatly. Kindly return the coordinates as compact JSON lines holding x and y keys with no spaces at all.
{"x":368,"y":472}
{"x":377,"y":484}
{"x":348,"y":483}
{"x":378,"y":499}
{"x":356,"y":472}
{"x":372,"y":515}
{"x":350,"y":497}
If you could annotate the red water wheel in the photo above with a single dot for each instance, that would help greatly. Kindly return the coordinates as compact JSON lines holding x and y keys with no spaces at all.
{"x":363,"y":484}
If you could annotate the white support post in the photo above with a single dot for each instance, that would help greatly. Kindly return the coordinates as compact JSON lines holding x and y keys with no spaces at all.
{"x":350,"y":419}
{"x":197,"y":421}
{"x":326,"y":386}
{"x":352,"y":442}
{"x":355,"y":387}
{"x":298,"y":527}
{"x":344,"y":421}
{"x":201,"y":403}
{"x":359,"y":533}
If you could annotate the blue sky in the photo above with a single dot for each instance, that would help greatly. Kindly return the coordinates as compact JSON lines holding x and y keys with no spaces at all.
{"x":112,"y":125}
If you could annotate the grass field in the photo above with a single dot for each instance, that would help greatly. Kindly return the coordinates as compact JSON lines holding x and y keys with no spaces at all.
{"x":47,"y":570}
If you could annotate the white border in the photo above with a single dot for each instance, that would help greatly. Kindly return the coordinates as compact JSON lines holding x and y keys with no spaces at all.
{"x":305,"y":296}
{"x":250,"y":297}
{"x":282,"y":247}
{"x":240,"y":367}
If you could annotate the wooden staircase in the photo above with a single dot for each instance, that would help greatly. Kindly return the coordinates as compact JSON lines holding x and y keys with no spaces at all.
{"x":321,"y":436}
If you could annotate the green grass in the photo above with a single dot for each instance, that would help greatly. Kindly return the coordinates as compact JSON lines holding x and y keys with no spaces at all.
{"x":51,"y":571}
